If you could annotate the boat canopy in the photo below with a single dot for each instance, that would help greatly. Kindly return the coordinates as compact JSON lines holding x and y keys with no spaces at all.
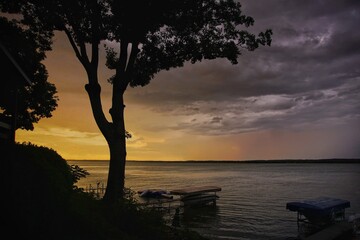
{"x":319,"y":206}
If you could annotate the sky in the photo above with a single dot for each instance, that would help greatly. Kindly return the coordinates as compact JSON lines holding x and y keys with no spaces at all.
{"x":298,"y":99}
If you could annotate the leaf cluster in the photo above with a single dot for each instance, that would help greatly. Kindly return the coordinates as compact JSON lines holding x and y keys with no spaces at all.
{"x":37,"y":100}
{"x":163,"y":34}
{"x":170,"y":33}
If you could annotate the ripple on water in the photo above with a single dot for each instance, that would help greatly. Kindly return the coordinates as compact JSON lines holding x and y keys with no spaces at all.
{"x":253,"y":197}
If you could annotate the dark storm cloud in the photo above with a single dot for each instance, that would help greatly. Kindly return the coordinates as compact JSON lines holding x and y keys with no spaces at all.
{"x":310,"y":74}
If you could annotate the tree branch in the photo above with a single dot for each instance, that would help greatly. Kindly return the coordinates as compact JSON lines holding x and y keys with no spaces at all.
{"x":131,"y":62}
{"x":123,"y":56}
{"x":95,"y":54}
{"x":84,"y":61}
{"x":83,"y":51}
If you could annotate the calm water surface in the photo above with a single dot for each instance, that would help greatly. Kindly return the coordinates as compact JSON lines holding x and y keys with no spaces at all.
{"x":253,"y":197}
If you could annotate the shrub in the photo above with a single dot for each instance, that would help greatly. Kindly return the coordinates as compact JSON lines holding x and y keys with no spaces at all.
{"x":42,"y":202}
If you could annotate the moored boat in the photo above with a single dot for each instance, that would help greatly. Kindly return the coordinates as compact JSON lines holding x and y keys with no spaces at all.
{"x":324,"y":218}
{"x":188,"y":196}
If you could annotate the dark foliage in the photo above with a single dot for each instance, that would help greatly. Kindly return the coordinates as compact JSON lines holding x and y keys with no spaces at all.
{"x":34,"y":101}
{"x":41,"y":202}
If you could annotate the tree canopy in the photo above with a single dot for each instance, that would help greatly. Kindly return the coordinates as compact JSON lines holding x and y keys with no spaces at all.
{"x":170,"y":33}
{"x":37,"y":100}
{"x":163,"y":33}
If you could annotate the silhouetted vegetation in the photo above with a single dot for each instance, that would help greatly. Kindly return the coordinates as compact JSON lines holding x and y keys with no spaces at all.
{"x":146,"y":37}
{"x":29,"y":102}
{"x":43,"y":202}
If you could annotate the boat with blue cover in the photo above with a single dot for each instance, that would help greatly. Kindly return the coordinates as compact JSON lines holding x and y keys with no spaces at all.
{"x":324,"y":218}
{"x":320,"y":210}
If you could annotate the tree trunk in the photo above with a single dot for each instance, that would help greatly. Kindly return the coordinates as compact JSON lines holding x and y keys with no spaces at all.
{"x":117,"y":145}
{"x":117,"y":142}
{"x":116,"y":177}
{"x":114,"y":134}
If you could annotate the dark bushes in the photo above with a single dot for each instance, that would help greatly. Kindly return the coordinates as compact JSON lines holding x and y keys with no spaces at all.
{"x":42,"y":202}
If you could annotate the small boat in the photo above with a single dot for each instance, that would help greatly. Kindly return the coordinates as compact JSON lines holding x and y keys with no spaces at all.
{"x":200,"y":195}
{"x":322,"y":217}
{"x":154,"y":193}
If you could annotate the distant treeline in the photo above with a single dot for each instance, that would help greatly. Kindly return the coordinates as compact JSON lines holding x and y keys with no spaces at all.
{"x":332,"y":160}
{"x":337,"y":160}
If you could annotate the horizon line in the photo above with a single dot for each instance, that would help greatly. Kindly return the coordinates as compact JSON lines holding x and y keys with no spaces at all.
{"x":322,"y":160}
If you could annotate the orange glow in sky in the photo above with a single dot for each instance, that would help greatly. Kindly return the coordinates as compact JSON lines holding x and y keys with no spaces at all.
{"x":269,"y":106}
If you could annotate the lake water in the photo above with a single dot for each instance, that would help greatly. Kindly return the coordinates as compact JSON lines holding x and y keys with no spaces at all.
{"x":252,"y":203}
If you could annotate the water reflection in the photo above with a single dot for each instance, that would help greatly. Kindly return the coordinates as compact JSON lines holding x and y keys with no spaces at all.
{"x":199,"y":216}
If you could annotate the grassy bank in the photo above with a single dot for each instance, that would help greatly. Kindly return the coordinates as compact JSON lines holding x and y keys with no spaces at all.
{"x":43,"y":202}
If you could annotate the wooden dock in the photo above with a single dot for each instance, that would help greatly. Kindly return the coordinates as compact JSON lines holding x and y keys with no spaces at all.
{"x":189,"y":196}
{"x":97,"y":190}
{"x":195,"y":190}
{"x":181,"y":197}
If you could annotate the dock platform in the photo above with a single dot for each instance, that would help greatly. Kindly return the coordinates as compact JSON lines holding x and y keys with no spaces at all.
{"x":197,"y":195}
{"x":200,"y":195}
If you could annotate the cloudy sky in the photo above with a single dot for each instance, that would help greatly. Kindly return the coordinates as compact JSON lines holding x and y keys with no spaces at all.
{"x":298,"y":99}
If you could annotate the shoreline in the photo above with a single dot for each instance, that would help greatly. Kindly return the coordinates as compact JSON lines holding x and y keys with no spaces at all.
{"x":333,"y":160}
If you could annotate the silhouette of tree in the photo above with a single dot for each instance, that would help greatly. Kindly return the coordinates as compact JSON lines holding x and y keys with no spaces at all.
{"x":151,"y":35}
{"x":34,"y":101}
